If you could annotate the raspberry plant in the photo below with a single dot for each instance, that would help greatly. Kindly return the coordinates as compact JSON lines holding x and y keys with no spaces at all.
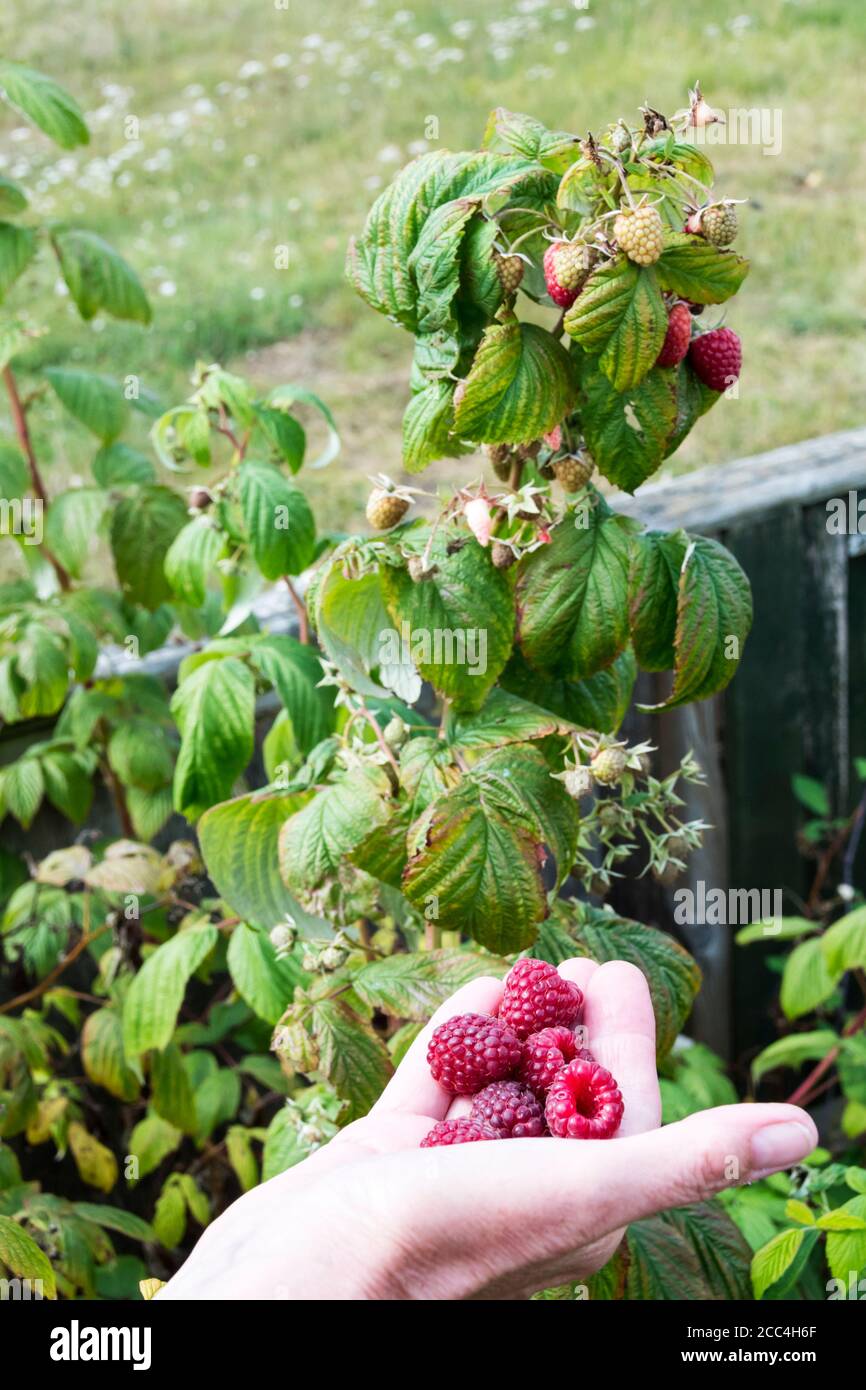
{"x":180,"y":1019}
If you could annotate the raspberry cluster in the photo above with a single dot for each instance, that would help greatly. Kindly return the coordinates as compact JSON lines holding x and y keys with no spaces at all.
{"x":525,"y":1069}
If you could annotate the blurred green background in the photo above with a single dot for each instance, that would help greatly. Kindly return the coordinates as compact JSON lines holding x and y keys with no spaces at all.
{"x":224,"y":132}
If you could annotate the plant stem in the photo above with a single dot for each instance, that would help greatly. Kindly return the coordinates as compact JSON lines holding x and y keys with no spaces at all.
{"x":802,"y":1094}
{"x":300,"y":609}
{"x":19,"y":419}
{"x":380,"y":737}
{"x":34,"y":993}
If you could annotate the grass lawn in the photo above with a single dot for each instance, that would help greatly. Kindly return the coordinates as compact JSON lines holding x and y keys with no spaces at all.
{"x":259,"y":127}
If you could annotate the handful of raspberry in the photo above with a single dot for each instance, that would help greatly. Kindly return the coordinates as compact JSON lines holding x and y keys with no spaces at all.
{"x":525,"y":1068}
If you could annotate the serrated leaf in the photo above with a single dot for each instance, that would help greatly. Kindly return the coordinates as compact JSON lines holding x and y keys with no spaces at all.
{"x":503,"y":718}
{"x":154,"y":998}
{"x":714,"y":615}
{"x":786,"y":929}
{"x":806,"y":980}
{"x":216,"y":1101}
{"x":240,"y":1155}
{"x":695,"y":269}
{"x":239,"y":844}
{"x":693,"y":1253}
{"x":97,"y":401}
{"x":427,"y":424}
{"x":190,"y":560}
{"x":278,"y":521}
{"x":152,"y":1140}
{"x":115,"y":1219}
{"x":96,"y":1164}
{"x":266,"y":982}
{"x":169,"y":1216}
{"x":521,"y":384}
{"x":294,"y":670}
{"x":315,"y":839}
{"x":22,"y":788}
{"x":17,"y":249}
{"x":413,"y":985}
{"x":20,"y":1254}
{"x":777,"y":1265}
{"x":619,"y":316}
{"x":793,"y":1050}
{"x":115,"y":465}
{"x":571,"y":594}
{"x":98,"y":278}
{"x":349,"y":616}
{"x":72,"y":526}
{"x":656,"y":563}
{"x":171,"y":1093}
{"x":518,"y":781}
{"x":474,"y":869}
{"x":627,"y":431}
{"x":46,"y":104}
{"x":600,"y":702}
{"x":844,"y":944}
{"x":103,"y":1056}
{"x":143,"y":526}
{"x":214,"y":708}
{"x":555,"y":149}
{"x":673,"y":976}
{"x":852,"y":1068}
{"x":13,"y":199}
{"x":351,"y":1056}
{"x":460,"y":623}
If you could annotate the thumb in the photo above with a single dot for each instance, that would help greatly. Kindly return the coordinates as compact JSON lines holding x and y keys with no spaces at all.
{"x":564,"y":1194}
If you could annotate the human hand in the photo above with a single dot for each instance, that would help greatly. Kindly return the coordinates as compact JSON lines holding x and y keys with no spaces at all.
{"x":373,"y":1216}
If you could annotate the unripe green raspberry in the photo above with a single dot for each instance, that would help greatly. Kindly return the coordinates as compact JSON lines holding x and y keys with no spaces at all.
{"x":608,"y":765}
{"x":640,"y":234}
{"x":573,"y":472}
{"x":510,"y":271}
{"x":578,"y":781}
{"x":719,"y":223}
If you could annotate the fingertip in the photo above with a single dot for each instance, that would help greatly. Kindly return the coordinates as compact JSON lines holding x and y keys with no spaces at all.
{"x":580,"y":970}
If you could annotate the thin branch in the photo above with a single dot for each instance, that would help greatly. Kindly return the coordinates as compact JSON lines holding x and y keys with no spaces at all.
{"x":300,"y":609}
{"x":37,"y":990}
{"x":19,"y":419}
{"x":802,"y":1092}
{"x":380,"y":737}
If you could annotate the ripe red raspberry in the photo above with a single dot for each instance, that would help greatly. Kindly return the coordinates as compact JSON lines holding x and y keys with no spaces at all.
{"x":544,"y":1054}
{"x":584,"y":1102}
{"x":676,"y":343}
{"x":536,"y":996}
{"x":466,"y":1053}
{"x":717,"y":357}
{"x":465,"y":1131}
{"x":564,"y":272}
{"x":510,"y":1109}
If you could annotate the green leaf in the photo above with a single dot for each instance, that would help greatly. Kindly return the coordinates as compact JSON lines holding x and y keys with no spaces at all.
{"x":117,"y":464}
{"x":502,"y":719}
{"x":285,"y":396}
{"x":473,"y":867}
{"x":294,"y":670}
{"x":240,"y":1155}
{"x":778,"y":1265}
{"x":571,"y":594}
{"x":413,"y":985}
{"x":98,"y":278}
{"x":695,"y":269}
{"x":428,"y":421}
{"x":786,"y":929}
{"x":521,"y":384}
{"x":72,"y":526}
{"x":171,"y":1092}
{"x":806,"y":981}
{"x":349,"y":616}
{"x":97,"y":401}
{"x":154,"y":998}
{"x":22,"y":789}
{"x":143,"y":526}
{"x":694,"y":1253}
{"x":599,"y":702}
{"x":278,"y":521}
{"x":555,"y":149}
{"x":811,"y":794}
{"x":714,"y":615}
{"x":798,"y":1211}
{"x":115,"y":1219}
{"x":351,"y":1056}
{"x":239,"y":842}
{"x":17,"y":249}
{"x":190,"y":560}
{"x":12,"y":197}
{"x":169,"y":1217}
{"x":846,"y":1250}
{"x":620,"y":315}
{"x":315,"y":839}
{"x":265,"y":982}
{"x":284,"y":434}
{"x":68,"y":784}
{"x":214,"y":708}
{"x":656,"y":562}
{"x":673,"y":976}
{"x":152,"y":1140}
{"x":19,"y":1252}
{"x":844,"y":944}
{"x":793,"y":1050}
{"x":149,"y":810}
{"x":14,"y":476}
{"x":627,"y":431}
{"x":460,"y":623}
{"x":103,"y":1056}
{"x":45,"y":103}
{"x":216,"y":1101}
{"x":852,"y":1068}
{"x":518,"y":781}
